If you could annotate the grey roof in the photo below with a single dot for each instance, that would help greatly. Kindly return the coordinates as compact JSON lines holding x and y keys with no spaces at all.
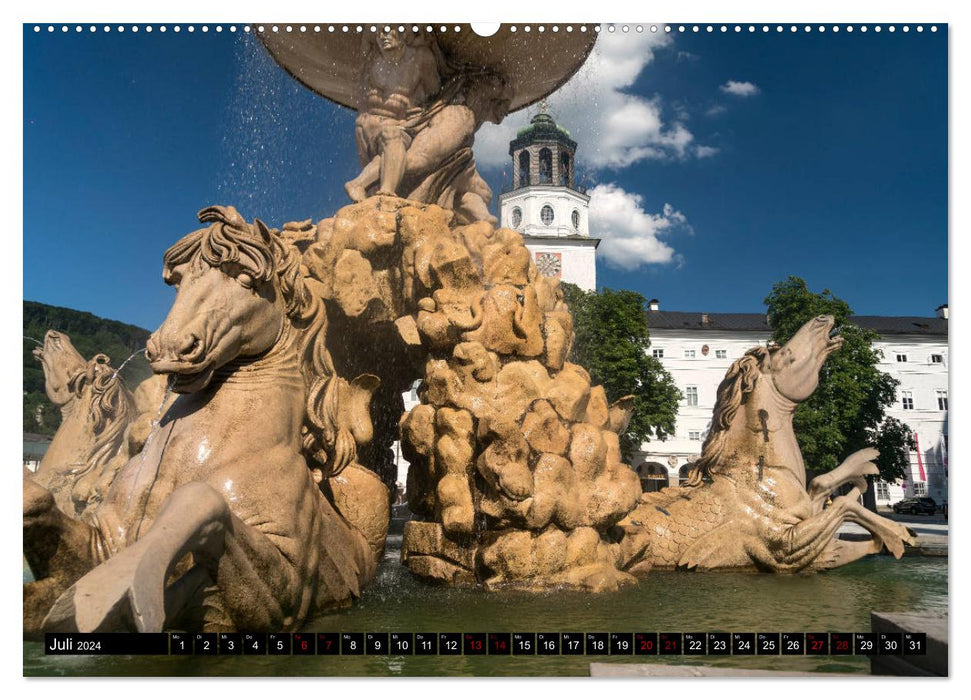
{"x":884,"y":325}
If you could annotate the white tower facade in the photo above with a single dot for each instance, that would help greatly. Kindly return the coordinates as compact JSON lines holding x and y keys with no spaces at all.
{"x":547,"y":207}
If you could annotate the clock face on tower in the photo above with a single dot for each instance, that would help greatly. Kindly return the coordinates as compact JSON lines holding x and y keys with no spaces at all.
{"x":549,"y":264}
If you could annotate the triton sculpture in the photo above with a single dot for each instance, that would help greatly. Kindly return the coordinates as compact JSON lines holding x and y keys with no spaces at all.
{"x":421,"y":96}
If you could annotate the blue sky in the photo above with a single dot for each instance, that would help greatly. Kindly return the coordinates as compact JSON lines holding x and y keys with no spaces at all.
{"x":831,"y":166}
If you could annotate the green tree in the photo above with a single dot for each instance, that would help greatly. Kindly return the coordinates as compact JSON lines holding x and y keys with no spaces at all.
{"x":847,"y":412}
{"x":612,"y":342}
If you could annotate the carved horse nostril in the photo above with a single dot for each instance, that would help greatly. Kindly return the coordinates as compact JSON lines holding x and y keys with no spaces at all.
{"x":151,"y":349}
{"x":191,"y":346}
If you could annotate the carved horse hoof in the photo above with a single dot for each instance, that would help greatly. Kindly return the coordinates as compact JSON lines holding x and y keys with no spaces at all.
{"x":900,"y":535}
{"x":122,"y":595}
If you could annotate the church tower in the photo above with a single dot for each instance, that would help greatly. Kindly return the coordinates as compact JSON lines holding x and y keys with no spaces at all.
{"x":546,"y":206}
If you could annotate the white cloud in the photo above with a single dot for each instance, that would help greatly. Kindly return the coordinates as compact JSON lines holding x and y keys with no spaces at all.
{"x":740,"y":88}
{"x":613,"y":128}
{"x":630,"y":236}
{"x":705,"y":151}
{"x":716,"y":109}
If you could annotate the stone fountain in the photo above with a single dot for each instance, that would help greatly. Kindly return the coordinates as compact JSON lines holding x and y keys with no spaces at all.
{"x":259,"y":497}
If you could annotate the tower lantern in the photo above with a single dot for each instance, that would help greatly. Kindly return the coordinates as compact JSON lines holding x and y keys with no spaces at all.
{"x":545,"y":204}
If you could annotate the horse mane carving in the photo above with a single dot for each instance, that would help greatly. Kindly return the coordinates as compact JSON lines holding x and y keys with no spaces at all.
{"x":239,"y":248}
{"x":738,"y":383}
{"x":111,"y":410}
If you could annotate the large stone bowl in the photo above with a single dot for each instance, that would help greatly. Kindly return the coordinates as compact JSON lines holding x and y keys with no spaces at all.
{"x":533,"y":63}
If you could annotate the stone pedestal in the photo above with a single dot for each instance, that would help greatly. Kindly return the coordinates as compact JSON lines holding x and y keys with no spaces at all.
{"x":933,"y":663}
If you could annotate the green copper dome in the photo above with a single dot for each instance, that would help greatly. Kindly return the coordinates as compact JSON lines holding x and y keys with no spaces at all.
{"x":542,"y":129}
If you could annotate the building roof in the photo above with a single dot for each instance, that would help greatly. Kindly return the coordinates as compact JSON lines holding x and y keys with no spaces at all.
{"x":542,"y":129}
{"x":699,"y":321}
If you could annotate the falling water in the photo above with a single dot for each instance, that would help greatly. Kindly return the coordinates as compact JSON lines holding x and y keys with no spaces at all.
{"x":286,"y":152}
{"x":122,"y":365}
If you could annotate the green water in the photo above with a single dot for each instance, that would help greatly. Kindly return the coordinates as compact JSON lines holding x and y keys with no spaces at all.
{"x":836,"y":601}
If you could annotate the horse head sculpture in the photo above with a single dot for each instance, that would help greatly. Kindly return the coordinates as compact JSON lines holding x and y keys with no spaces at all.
{"x":768,"y":383}
{"x":794,"y":368}
{"x":241,"y":297}
{"x":96,"y":409}
{"x":229,"y":302}
{"x":62,"y":363}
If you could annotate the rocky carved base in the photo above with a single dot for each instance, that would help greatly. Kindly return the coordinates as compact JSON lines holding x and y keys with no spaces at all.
{"x":516,"y":476}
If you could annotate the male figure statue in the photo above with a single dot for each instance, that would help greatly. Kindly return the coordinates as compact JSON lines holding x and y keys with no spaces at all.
{"x":398,"y":82}
{"x":415,"y":131}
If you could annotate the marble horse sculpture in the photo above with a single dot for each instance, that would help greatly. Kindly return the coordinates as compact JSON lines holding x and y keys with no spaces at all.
{"x":222,"y":522}
{"x":96,"y":411}
{"x":745,"y":505}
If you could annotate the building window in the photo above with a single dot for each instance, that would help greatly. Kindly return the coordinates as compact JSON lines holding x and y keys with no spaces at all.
{"x":545,"y":166}
{"x":517,"y":217}
{"x":941,"y":400}
{"x":920,"y":488}
{"x":883,"y":491}
{"x":689,"y":354}
{"x":937,"y":359}
{"x":524,"y":168}
{"x":546,"y":215}
{"x":907,"y":400}
{"x":691,"y":396}
{"x":658,"y":353}
{"x":901,"y":357}
{"x":575,"y":217}
{"x":694,"y":435}
{"x":566,"y":170}
{"x":721,"y":354}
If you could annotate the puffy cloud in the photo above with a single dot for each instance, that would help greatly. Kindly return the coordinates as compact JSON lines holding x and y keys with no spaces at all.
{"x":631,"y":237}
{"x":614,"y":128}
{"x":740,"y":88}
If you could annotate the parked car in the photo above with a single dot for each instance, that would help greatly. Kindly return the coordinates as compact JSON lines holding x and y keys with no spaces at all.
{"x":925,"y":505}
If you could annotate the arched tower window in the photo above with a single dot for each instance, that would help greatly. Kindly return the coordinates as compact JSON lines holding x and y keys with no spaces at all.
{"x":523,"y":179}
{"x":545,"y":166}
{"x":566,"y":170}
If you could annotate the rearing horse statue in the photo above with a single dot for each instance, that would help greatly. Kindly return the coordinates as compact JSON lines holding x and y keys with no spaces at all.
{"x":746,"y":505}
{"x":227,"y":518}
{"x":96,"y":411}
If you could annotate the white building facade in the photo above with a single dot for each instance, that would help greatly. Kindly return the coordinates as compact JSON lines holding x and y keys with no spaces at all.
{"x":698,"y":348}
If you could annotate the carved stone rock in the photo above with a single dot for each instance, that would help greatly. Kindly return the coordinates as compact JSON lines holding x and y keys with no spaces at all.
{"x":501,"y":442}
